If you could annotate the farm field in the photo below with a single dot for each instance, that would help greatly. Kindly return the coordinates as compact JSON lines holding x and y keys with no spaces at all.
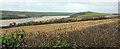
{"x":83,"y":34}
{"x":36,"y":13}
{"x":60,"y":26}
{"x":3,"y":16}
{"x":19,"y":15}
{"x":81,"y":31}
{"x":88,"y":14}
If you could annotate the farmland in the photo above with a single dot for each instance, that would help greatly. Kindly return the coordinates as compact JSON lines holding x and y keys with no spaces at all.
{"x":3,"y":16}
{"x":59,"y":26}
{"x":88,"y":14}
{"x":19,"y":15}
{"x":84,"y":33}
{"x":87,"y":29}
{"x":36,"y":13}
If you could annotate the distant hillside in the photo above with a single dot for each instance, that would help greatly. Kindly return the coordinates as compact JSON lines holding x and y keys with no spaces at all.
{"x":88,"y":14}
{"x":20,"y":14}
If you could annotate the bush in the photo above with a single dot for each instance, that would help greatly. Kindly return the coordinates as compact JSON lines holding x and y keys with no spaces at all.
{"x":12,"y":24}
{"x":15,"y":39}
{"x":60,"y":43}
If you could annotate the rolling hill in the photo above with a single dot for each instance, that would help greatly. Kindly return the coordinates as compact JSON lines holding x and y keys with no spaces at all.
{"x":19,"y":14}
{"x":88,"y":14}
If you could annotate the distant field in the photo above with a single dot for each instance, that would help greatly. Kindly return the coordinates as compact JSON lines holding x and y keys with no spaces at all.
{"x":88,"y":14}
{"x":1,"y":16}
{"x":18,"y":14}
{"x":37,"y":13}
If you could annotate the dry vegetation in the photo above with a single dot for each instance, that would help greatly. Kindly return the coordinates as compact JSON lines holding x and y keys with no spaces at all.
{"x":102,"y":35}
{"x":92,"y":33}
{"x":60,"y":27}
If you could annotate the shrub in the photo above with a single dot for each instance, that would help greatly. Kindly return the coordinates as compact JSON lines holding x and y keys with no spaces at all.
{"x":12,"y":24}
{"x":60,"y":43}
{"x":15,"y":39}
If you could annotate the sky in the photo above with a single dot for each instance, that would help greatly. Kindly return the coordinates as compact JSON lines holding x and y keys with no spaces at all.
{"x":103,"y":6}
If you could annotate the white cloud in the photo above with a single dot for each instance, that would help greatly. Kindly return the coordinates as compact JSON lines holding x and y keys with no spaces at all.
{"x":76,"y":5}
{"x":59,"y":0}
{"x":108,"y":7}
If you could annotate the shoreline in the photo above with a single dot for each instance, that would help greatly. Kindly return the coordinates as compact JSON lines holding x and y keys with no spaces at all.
{"x":7,"y":22}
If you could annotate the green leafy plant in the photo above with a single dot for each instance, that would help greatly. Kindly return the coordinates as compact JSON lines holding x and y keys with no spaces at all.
{"x":60,"y":43}
{"x":15,"y":39}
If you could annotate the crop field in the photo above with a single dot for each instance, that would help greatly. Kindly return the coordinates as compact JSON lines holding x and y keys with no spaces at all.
{"x":52,"y":28}
{"x":97,"y":36}
{"x":99,"y":33}
{"x":79,"y":31}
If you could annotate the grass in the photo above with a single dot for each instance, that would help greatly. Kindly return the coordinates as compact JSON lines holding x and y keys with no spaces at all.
{"x":88,"y":14}
{"x":36,"y":13}
{"x":39,"y":14}
{"x":2,"y":16}
{"x":29,"y":14}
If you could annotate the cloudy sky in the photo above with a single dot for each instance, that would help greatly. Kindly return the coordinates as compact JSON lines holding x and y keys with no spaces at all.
{"x":103,"y":6}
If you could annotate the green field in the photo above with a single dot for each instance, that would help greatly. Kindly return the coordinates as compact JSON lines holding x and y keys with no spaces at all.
{"x":88,"y":14}
{"x":1,"y":16}
{"x":29,"y":14}
{"x":37,"y":13}
{"x":40,"y":14}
